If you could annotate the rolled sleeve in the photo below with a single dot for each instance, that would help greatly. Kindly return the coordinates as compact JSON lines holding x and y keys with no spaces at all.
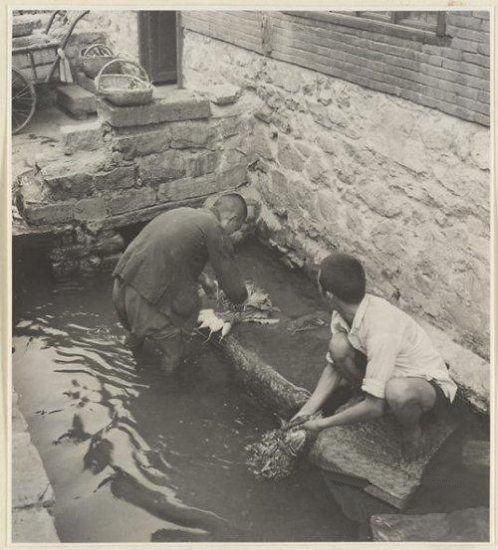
{"x":381,"y":354}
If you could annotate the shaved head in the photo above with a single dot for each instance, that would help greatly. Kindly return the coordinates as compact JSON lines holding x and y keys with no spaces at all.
{"x":234,"y":203}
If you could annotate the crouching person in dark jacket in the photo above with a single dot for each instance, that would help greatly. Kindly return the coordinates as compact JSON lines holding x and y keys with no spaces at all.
{"x":156,"y":280}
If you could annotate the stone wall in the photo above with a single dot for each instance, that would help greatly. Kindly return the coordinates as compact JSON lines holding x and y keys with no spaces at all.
{"x":127,"y":167}
{"x":119,"y":27}
{"x":402,"y":186}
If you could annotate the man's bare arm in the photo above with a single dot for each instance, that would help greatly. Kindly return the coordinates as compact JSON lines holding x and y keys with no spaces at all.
{"x":368,"y":409}
{"x":327,"y":383}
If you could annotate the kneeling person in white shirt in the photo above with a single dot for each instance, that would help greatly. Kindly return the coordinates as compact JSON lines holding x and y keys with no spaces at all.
{"x":379,"y":350}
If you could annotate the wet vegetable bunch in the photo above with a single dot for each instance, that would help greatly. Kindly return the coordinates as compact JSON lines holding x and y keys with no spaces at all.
{"x":256,"y":309}
{"x":275,"y":455}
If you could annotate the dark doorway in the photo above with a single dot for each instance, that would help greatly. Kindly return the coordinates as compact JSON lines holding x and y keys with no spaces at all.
{"x":157,"y":39}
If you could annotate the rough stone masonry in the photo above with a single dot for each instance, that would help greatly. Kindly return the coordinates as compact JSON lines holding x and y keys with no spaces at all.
{"x":128,"y":166}
{"x":402,"y":186}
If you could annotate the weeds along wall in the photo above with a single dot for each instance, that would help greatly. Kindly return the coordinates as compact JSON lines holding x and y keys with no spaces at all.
{"x":349,"y":165}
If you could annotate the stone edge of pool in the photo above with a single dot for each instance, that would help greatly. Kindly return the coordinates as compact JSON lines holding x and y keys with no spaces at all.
{"x":32,"y":494}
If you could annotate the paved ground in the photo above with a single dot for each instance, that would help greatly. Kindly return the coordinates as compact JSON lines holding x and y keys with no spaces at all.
{"x":32,"y":495}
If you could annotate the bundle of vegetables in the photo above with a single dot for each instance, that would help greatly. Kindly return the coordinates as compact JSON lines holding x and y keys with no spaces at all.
{"x":256,"y":309}
{"x":275,"y":455}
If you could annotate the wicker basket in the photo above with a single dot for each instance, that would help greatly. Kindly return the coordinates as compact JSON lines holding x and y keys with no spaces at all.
{"x":124,"y":89}
{"x":93,"y":58}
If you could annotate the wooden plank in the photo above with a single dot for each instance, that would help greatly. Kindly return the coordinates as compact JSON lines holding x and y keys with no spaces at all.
{"x":179,"y":49}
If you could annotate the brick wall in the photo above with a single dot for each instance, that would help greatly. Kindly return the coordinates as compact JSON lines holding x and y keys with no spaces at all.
{"x":341,"y":166}
{"x":450,"y":74}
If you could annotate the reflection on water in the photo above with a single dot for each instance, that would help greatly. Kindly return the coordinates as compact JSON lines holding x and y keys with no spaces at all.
{"x":136,"y":456}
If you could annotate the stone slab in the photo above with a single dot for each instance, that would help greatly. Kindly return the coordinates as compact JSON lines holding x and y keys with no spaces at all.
{"x":476,"y":455}
{"x":354,"y":502}
{"x":468,"y":370}
{"x":33,"y":525}
{"x":86,"y":82}
{"x":30,"y":484}
{"x":470,"y":525}
{"x":179,"y":105}
{"x":76,"y":101}
{"x":189,"y":188}
{"x":222,"y":94}
{"x":82,"y":137}
{"x":371,"y":451}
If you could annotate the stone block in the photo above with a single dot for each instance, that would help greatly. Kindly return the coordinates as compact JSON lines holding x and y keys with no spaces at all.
{"x":229,"y":126}
{"x":72,"y":177}
{"x":68,"y":186}
{"x":131,"y":200}
{"x":31,"y":189}
{"x":86,"y":82}
{"x":476,"y":456}
{"x":49,"y":214}
{"x":90,"y":209}
{"x":201,"y":163}
{"x":142,"y":143}
{"x":121,"y":177}
{"x":468,"y":370}
{"x":222,"y":94}
{"x":109,"y":243}
{"x":81,"y":137}
{"x":180,"y":105}
{"x":33,"y":525}
{"x":371,"y":452}
{"x":289,"y":157}
{"x":30,"y":485}
{"x":191,"y":135}
{"x":481,"y":149}
{"x":162,"y":166}
{"x":470,"y":525}
{"x":76,"y":101}
{"x":192,"y":187}
{"x":354,"y":502}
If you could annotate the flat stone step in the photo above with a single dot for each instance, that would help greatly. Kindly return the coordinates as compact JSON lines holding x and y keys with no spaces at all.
{"x":470,"y":525}
{"x":30,"y":484}
{"x":76,"y":101}
{"x":371,"y":451}
{"x":86,"y":82}
{"x":33,"y":525}
{"x":177,"y":105}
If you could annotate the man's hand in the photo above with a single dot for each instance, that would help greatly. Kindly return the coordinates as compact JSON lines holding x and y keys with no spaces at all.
{"x":314,"y":425}
{"x":209,"y":285}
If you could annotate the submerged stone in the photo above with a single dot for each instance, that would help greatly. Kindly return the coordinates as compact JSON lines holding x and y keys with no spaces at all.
{"x":476,"y":456}
{"x":371,"y":451}
{"x":470,"y":525}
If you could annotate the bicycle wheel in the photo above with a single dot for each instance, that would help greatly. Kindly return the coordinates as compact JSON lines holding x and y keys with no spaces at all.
{"x":23,"y":101}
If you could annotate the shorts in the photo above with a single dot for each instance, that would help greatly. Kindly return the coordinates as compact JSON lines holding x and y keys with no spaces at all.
{"x":441,"y":405}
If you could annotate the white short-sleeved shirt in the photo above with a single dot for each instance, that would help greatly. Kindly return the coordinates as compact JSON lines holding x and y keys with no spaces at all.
{"x":395,"y":346}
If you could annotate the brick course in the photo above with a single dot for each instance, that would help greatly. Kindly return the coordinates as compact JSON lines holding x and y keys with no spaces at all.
{"x":440,"y":75}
